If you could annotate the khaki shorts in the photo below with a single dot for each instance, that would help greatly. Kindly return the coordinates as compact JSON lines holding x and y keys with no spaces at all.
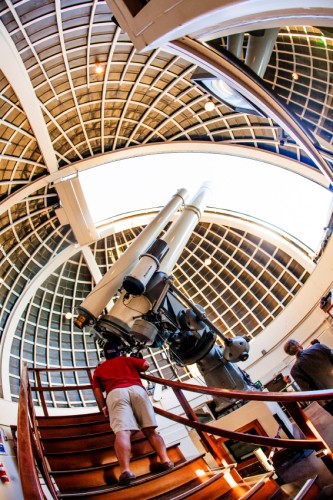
{"x":130,"y":409}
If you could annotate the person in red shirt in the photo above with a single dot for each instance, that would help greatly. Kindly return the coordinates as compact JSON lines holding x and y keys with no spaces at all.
{"x":128,"y":406}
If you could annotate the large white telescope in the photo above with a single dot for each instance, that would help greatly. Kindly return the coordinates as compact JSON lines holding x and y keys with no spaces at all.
{"x":125,"y":315}
{"x":100,"y":296}
{"x":151,"y":311}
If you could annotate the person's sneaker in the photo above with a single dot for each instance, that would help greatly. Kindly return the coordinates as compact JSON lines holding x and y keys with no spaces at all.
{"x":126,"y":477}
{"x":167,"y":465}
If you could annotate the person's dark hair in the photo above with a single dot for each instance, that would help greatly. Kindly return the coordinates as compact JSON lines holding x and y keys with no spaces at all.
{"x":314,"y":341}
{"x":291,"y":347}
{"x":111,"y":350}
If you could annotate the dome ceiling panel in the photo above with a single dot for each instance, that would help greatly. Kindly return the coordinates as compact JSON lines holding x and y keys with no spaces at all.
{"x":21,"y":160}
{"x":138,"y":98}
{"x":308,"y":53}
{"x":299,"y":71}
{"x":241,"y":291}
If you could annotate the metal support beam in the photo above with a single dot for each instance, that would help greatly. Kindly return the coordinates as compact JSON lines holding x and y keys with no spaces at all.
{"x":259,"y":50}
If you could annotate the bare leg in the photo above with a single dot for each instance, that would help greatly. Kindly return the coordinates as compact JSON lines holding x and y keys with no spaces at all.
{"x":157,"y":443}
{"x":122,"y":447}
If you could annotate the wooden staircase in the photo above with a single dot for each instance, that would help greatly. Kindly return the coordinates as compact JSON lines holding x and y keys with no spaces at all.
{"x":73,"y":457}
{"x":81,"y":460}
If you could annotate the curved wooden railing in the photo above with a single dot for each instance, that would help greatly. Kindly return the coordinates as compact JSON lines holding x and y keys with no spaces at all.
{"x":30,"y":454}
{"x":26,"y":449}
{"x":313,"y":441}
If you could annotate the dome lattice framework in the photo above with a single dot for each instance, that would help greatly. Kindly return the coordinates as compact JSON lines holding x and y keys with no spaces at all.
{"x":249,"y":281}
{"x":138,"y":99}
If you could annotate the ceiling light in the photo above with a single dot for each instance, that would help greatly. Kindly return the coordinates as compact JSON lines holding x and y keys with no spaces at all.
{"x":208,"y":261}
{"x":1,"y":281}
{"x":295,"y":76}
{"x":224,"y":93}
{"x":99,"y":68}
{"x":68,"y":315}
{"x":209,"y":105}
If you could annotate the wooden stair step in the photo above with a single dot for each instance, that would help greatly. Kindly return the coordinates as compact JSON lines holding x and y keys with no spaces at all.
{"x":265,"y":488}
{"x":237,"y":492}
{"x":201,"y":488}
{"x":307,"y":489}
{"x":147,"y":486}
{"x":76,"y":443}
{"x":101,"y":475}
{"x":260,"y":488}
{"x":90,"y":457}
{"x":72,"y":430}
{"x":71,"y":419}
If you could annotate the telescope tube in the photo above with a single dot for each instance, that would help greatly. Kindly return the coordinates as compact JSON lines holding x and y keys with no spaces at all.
{"x":179,"y":232}
{"x":100,"y":296}
{"x":124,"y":311}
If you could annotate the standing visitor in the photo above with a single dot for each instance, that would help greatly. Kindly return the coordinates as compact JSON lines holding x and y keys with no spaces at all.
{"x":313,"y":368}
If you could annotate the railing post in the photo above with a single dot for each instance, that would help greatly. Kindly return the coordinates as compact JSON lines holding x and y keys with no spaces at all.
{"x":207,"y":441}
{"x":41,"y":393}
{"x":310,"y":432}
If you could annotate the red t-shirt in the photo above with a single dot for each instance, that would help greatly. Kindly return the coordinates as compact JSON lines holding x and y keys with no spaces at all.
{"x":118,"y":372}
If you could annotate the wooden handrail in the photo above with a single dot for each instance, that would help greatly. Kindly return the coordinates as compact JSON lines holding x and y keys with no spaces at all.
{"x":40,"y":389}
{"x":30,"y":451}
{"x":245,"y":395}
{"x":57,"y":388}
{"x":280,"y":397}
{"x":313,"y":439}
{"x":312,"y":444}
{"x":63,"y":369}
